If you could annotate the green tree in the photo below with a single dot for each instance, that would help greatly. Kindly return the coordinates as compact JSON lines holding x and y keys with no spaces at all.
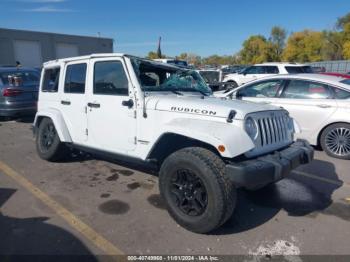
{"x":255,"y":50}
{"x":342,"y":21}
{"x":277,"y":42}
{"x":153,"y":55}
{"x":305,"y":46}
{"x":333,"y":47}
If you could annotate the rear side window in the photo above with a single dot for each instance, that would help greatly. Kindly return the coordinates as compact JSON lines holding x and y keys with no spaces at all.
{"x":110,"y":79}
{"x":51,"y":80}
{"x":75,"y":79}
{"x":301,"y":89}
{"x":341,"y":94}
{"x":271,"y":70}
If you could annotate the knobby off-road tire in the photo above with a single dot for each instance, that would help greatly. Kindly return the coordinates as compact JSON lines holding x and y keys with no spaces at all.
{"x":206,"y":198}
{"x":48,"y":144}
{"x":335,"y":140}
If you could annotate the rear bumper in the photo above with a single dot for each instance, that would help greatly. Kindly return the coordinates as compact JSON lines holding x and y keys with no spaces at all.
{"x":259,"y":172}
{"x":23,"y":109}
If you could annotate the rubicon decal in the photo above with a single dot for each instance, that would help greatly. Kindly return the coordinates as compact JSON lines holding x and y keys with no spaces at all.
{"x":193,"y":110}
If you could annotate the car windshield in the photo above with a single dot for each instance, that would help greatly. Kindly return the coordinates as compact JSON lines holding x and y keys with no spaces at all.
{"x":19,"y":78}
{"x":161,"y":77}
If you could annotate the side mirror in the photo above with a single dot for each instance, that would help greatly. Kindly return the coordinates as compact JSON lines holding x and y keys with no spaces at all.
{"x":238,"y":95}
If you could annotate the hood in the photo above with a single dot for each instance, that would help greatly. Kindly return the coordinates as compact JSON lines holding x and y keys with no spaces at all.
{"x":209,"y":106}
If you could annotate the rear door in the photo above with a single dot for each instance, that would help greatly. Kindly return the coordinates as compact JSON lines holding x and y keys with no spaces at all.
{"x":73,"y":100}
{"x":310,"y":103}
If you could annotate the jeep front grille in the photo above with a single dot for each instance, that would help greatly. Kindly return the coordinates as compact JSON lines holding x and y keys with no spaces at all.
{"x":273,"y":131}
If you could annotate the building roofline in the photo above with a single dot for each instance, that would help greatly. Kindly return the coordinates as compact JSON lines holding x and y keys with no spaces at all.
{"x":53,"y":33}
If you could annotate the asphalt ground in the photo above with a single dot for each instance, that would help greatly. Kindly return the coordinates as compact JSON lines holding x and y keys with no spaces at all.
{"x":87,"y":206}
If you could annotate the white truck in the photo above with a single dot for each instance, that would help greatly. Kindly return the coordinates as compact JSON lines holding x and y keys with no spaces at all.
{"x":119,"y":105}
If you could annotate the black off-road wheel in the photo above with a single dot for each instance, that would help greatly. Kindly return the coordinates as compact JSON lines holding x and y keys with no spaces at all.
{"x":48,"y":144}
{"x":198,"y":195}
{"x":335,"y":140}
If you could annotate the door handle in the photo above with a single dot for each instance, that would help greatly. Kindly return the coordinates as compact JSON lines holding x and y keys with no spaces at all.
{"x":94,"y":105}
{"x":324,"y":106}
{"x":64,"y":102}
{"x":129,"y":103}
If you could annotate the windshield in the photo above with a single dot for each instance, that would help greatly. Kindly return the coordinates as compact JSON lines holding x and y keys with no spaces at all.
{"x":178,"y":62}
{"x":20,"y":78}
{"x":159,"y":77}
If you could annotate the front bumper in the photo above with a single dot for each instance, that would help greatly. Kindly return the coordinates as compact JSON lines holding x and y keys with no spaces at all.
{"x":259,"y":172}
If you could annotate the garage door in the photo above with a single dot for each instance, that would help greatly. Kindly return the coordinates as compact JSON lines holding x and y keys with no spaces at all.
{"x":28,"y":53}
{"x":66,"y":50}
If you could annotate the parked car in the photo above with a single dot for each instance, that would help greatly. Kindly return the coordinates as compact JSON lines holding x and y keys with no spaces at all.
{"x":122,"y":106}
{"x":212,"y":77}
{"x":319,"y":103}
{"x":263,"y":70}
{"x":18,"y":91}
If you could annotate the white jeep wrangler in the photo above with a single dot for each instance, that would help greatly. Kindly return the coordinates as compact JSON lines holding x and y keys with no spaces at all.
{"x":205,"y":147}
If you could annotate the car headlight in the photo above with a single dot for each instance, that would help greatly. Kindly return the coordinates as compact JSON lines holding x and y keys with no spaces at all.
{"x":251,"y":128}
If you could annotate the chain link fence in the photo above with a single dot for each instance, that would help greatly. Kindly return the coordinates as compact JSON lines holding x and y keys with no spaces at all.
{"x":341,"y":66}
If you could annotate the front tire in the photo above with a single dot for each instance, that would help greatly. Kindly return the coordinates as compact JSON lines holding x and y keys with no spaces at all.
{"x":48,"y":144}
{"x":199,"y":196}
{"x":335,"y":140}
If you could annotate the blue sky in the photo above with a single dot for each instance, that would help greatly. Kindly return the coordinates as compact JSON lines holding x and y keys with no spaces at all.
{"x":198,"y":26}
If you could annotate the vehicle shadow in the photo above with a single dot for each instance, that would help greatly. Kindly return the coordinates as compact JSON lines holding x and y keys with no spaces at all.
{"x":298,"y":195}
{"x":35,"y":236}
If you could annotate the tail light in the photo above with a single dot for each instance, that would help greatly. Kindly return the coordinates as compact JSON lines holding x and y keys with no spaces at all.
{"x":11,"y":92}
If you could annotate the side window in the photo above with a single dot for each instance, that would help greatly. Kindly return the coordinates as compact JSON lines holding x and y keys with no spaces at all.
{"x":255,"y":70}
{"x":75,"y":79}
{"x":271,"y":70}
{"x":262,"y":89}
{"x":301,"y":89}
{"x":51,"y":80}
{"x":110,"y":79}
{"x":341,"y":94}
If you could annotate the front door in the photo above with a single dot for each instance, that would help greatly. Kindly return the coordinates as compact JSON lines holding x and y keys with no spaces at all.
{"x":111,"y":107}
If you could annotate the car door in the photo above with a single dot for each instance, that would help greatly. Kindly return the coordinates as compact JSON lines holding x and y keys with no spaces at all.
{"x":310,"y":103}
{"x":264,"y":91}
{"x":111,"y":115}
{"x":73,"y":100}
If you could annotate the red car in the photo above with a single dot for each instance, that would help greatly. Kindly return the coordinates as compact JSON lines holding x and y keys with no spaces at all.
{"x":336,"y":74}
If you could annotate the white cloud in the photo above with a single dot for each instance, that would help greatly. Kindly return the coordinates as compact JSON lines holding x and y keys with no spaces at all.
{"x":47,"y":9}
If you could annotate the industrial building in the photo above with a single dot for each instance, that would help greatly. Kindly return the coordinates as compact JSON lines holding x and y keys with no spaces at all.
{"x":32,"y":49}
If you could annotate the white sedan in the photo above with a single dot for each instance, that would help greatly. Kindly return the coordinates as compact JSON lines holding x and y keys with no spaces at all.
{"x":319,"y":103}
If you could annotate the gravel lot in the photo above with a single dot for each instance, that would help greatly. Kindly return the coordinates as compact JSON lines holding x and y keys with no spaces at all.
{"x":307,"y":213}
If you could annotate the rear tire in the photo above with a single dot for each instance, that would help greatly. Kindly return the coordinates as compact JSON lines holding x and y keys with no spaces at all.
{"x":197,"y":192}
{"x":335,"y":140}
{"x":48,"y":144}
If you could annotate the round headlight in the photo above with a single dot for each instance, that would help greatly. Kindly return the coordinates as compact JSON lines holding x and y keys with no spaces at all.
{"x":251,"y":128}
